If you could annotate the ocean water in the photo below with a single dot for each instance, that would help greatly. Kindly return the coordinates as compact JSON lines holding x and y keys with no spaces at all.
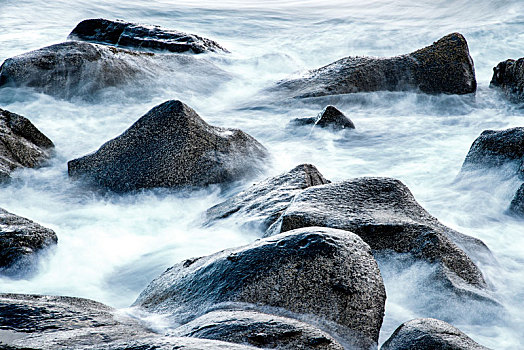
{"x":110,"y":246}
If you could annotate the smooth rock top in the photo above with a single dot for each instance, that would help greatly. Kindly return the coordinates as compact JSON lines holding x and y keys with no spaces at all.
{"x":329,"y":117}
{"x":443,"y":67}
{"x":261,"y":204}
{"x":20,"y":241}
{"x":509,"y":76}
{"x":327,"y":273}
{"x":171,"y":146}
{"x":429,"y":334}
{"x":130,"y":35}
{"x":22,"y":144}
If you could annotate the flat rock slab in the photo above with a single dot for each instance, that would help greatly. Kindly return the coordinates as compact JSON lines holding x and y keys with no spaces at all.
{"x":171,"y":146}
{"x":443,"y":67}
{"x":508,"y":75}
{"x":330,"y":117}
{"x":134,"y":36}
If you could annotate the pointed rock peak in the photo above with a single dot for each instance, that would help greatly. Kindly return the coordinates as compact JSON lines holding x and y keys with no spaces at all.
{"x":331,"y":116}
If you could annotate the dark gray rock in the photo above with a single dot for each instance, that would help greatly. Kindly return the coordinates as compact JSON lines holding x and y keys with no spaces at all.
{"x":171,"y":146}
{"x":261,"y":204}
{"x":443,"y":67}
{"x":508,"y":75}
{"x":329,"y":117}
{"x":134,"y":36}
{"x":258,"y":329}
{"x":384,"y":213}
{"x":20,"y":242}
{"x":517,"y":204}
{"x":429,"y":334}
{"x":21,"y":144}
{"x":321,"y":272}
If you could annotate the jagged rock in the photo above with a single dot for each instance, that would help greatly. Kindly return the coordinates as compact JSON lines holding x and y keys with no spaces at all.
{"x":21,"y":144}
{"x":258,"y":329}
{"x":329,"y":117}
{"x":20,"y":242}
{"x":321,"y":272}
{"x":517,"y":204}
{"x":508,"y":75}
{"x":384,"y":213}
{"x":429,"y":334}
{"x":261,"y":204}
{"x":444,"y":67}
{"x":130,"y":35}
{"x":53,"y":322}
{"x":171,"y":146}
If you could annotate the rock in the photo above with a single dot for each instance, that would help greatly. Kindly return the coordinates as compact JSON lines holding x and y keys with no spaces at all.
{"x":329,"y":117}
{"x":134,"y":36}
{"x":53,"y":322}
{"x":171,"y":146}
{"x":494,"y":148}
{"x":259,"y":330}
{"x":20,"y":242}
{"x":261,"y":204}
{"x":384,"y":213}
{"x":509,"y":76}
{"x":22,"y":144}
{"x":444,"y":67}
{"x":321,"y":272}
{"x":517,"y":204}
{"x":429,"y":334}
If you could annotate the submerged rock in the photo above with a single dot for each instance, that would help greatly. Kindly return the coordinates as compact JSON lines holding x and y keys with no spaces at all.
{"x":261,"y":204}
{"x":508,"y":75}
{"x":429,"y":334}
{"x":384,"y":213}
{"x":171,"y":146}
{"x":130,"y":35}
{"x":22,"y":144}
{"x":330,"y":117}
{"x":258,"y":329}
{"x":443,"y":67}
{"x":517,"y":204}
{"x":20,"y":242}
{"x":321,"y":272}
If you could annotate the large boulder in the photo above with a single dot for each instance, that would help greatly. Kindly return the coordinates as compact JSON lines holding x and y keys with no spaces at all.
{"x":517,"y":204}
{"x":130,"y":35}
{"x":384,"y":213}
{"x":429,"y":334}
{"x":326,"y":274}
{"x":171,"y":146}
{"x":330,"y":117}
{"x":443,"y":67}
{"x":22,"y":144}
{"x":261,"y":204}
{"x":508,"y":75}
{"x":258,"y":329}
{"x":20,"y":242}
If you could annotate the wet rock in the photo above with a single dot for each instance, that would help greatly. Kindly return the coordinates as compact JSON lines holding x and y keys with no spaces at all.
{"x":134,"y":36}
{"x":443,"y":67}
{"x":261,"y":204}
{"x":259,"y":330}
{"x":330,"y":117}
{"x":20,"y":242}
{"x":321,"y":272}
{"x":167,"y":343}
{"x":171,"y":146}
{"x":429,"y":334}
{"x":517,"y":204}
{"x":21,"y":144}
{"x":384,"y":213}
{"x":508,"y":75}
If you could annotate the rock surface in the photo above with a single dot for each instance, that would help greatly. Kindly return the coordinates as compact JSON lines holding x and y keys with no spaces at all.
{"x":171,"y":146}
{"x":20,"y":242}
{"x":326,"y":273}
{"x":21,"y":144}
{"x":384,"y":213}
{"x":429,"y":334}
{"x":258,"y":329}
{"x":508,"y":75}
{"x":443,"y":67}
{"x":517,"y":204}
{"x":130,"y":35}
{"x":329,"y":117}
{"x":261,"y":204}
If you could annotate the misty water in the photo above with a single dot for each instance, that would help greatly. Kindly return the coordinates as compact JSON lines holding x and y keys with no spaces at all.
{"x":111,"y":246}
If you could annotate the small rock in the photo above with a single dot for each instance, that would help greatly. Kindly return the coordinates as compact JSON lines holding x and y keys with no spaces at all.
{"x":509,"y":76}
{"x":517,"y":204}
{"x":330,"y":117}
